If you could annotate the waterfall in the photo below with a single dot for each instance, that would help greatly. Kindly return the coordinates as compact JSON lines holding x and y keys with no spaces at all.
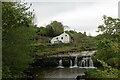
{"x":91,"y":63}
{"x":75,"y":62}
{"x":60,"y":64}
{"x":82,"y":63}
{"x":86,"y":63}
{"x":71,"y":64}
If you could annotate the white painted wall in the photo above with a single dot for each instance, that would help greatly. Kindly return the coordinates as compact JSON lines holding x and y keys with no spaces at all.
{"x":64,"y":38}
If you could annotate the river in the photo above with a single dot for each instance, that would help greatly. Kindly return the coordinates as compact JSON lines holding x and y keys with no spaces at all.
{"x":76,"y":67}
{"x":58,"y":73}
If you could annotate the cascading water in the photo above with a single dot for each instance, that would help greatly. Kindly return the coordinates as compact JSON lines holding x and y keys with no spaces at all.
{"x":60,"y":64}
{"x":86,"y":63}
{"x":91,"y":63}
{"x":75,"y":62}
{"x":71,"y":64}
{"x":82,"y":63}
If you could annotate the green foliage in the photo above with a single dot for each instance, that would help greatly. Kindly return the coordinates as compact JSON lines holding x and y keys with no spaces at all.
{"x":107,"y":72}
{"x":108,"y":49}
{"x":42,"y":31}
{"x":76,"y":37}
{"x":51,"y":30}
{"x":54,"y":29}
{"x":108,"y":42}
{"x":79,"y":42}
{"x":18,"y":33}
{"x":39,"y":47}
{"x":111,"y":26}
{"x":50,"y":49}
{"x":106,"y":45}
{"x":85,"y":42}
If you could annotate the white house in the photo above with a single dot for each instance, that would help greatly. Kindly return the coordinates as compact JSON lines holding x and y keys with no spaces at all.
{"x":64,"y":38}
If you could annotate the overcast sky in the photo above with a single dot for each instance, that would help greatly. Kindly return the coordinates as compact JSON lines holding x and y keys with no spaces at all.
{"x":79,"y":15}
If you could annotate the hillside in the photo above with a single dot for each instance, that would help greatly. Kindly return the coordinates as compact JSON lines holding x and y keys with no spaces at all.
{"x":79,"y":41}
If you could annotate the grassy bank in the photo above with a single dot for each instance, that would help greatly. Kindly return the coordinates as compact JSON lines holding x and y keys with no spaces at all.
{"x":50,"y":49}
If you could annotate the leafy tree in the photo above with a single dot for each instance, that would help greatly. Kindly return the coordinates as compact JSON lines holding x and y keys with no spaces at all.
{"x":107,"y":49}
{"x":106,"y":73}
{"x":75,"y":36}
{"x":42,"y":31}
{"x":108,"y":42}
{"x":54,"y":28}
{"x":50,"y":31}
{"x":110,"y":28}
{"x":18,"y":32}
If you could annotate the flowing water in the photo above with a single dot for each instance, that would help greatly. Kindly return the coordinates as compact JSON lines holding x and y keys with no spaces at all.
{"x":47,"y":73}
{"x":60,"y":64}
{"x":76,"y":68}
{"x":61,"y":72}
{"x":75,"y":62}
{"x":86,"y":63}
{"x":71,"y":64}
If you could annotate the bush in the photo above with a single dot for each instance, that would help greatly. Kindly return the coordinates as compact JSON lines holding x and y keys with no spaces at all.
{"x":107,"y":72}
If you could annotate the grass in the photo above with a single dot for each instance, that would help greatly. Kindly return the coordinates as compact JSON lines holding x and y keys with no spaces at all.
{"x":50,"y":49}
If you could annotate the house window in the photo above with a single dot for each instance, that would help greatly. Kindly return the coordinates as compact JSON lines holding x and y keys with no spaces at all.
{"x":61,"y":37}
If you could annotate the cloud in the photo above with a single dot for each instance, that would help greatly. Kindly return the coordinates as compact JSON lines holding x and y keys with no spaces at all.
{"x":81,"y":16}
{"x":71,"y":0}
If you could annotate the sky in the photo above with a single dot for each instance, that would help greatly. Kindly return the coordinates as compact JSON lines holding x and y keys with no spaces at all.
{"x":79,"y":15}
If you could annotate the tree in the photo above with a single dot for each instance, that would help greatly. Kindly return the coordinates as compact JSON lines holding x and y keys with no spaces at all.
{"x":18,"y":32}
{"x":106,"y":73}
{"x":54,"y":28}
{"x":50,"y":31}
{"x":110,"y":28}
{"x":42,"y":31}
{"x":108,"y":49}
{"x":108,"y":42}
